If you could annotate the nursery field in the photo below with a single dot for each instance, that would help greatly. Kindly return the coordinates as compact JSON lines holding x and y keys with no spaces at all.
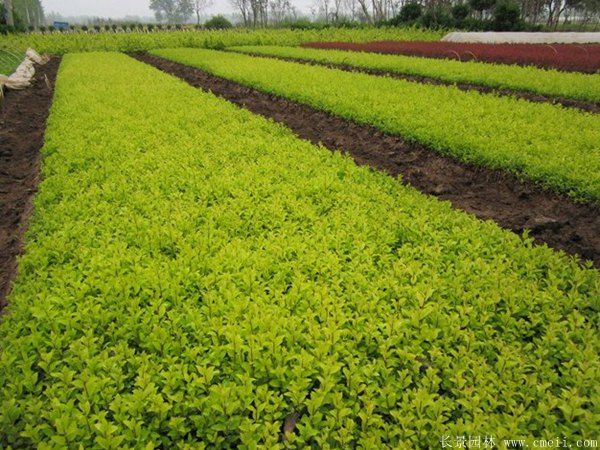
{"x":555,"y":146}
{"x":570,"y":57}
{"x":233,"y":251}
{"x":530,"y":79}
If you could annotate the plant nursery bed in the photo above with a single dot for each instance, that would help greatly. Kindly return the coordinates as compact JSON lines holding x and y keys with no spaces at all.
{"x":551,"y":218}
{"x":529,"y":96}
{"x":569,"y":57}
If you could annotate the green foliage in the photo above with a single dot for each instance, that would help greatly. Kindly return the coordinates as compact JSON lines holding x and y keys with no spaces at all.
{"x":530,"y":79}
{"x":552,"y":145}
{"x":196,"y":274}
{"x":482,"y":5}
{"x":507,"y":16}
{"x":9,"y":61}
{"x":460,"y":12}
{"x":172,"y":11}
{"x":28,"y":13}
{"x":303,"y":24}
{"x":60,"y":44}
{"x":409,"y":13}
{"x":437,"y":16}
{"x":218,"y":23}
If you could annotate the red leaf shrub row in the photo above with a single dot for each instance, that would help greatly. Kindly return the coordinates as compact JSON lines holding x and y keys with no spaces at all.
{"x":571,"y":57}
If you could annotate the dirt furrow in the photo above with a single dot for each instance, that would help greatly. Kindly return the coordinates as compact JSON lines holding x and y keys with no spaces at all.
{"x":552,"y":218}
{"x":23,"y":117}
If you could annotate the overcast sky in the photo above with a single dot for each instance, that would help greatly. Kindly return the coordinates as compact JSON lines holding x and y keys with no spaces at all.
{"x":120,"y":8}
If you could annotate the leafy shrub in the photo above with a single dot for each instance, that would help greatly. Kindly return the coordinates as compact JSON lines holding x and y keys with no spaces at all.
{"x":460,"y":12}
{"x":507,"y":17}
{"x":218,"y":23}
{"x":482,"y":6}
{"x":409,"y":13}
{"x":436,"y":17}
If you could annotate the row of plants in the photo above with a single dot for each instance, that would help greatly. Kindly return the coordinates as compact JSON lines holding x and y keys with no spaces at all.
{"x":196,"y":274}
{"x":62,"y":43}
{"x":529,"y":79}
{"x":568,"y":57}
{"x":216,"y":22}
{"x":555,"y":146}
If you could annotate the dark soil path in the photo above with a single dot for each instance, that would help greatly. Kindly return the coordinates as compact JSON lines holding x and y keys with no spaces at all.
{"x":23,"y":117}
{"x":529,"y":96}
{"x":488,"y":194}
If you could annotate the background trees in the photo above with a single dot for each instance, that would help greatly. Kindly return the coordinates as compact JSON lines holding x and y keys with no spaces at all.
{"x":465,"y":14}
{"x":21,"y":14}
{"x":200,"y":7}
{"x":533,"y":15}
{"x":503,"y":15}
{"x":172,"y":11}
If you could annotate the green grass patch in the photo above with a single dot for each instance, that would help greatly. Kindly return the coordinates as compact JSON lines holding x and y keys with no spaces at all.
{"x":530,"y":79}
{"x":194,"y":273}
{"x":9,"y":61}
{"x":555,"y":146}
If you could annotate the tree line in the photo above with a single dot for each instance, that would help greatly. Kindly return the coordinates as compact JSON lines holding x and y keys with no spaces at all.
{"x":470,"y":14}
{"x":21,"y":14}
{"x":466,"y":14}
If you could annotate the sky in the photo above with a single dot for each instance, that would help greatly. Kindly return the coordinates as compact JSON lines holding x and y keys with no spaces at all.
{"x":120,"y":8}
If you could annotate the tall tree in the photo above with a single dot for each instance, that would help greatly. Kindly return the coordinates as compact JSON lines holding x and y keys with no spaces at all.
{"x":30,"y":12}
{"x":244,"y":8}
{"x":200,"y":7}
{"x":172,"y":11}
{"x":8,"y":10}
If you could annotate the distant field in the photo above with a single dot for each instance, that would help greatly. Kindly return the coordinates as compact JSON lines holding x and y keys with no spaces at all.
{"x":62,"y":43}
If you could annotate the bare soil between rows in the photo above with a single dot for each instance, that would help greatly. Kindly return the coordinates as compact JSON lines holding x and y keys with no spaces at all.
{"x":587,"y":106}
{"x":552,"y":218}
{"x":23,"y":117}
